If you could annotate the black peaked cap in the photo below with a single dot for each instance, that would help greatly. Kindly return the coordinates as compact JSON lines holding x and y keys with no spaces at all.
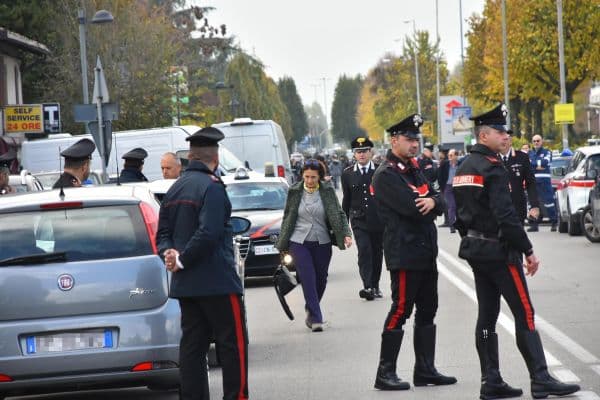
{"x":206,"y":137}
{"x":409,"y":127}
{"x":496,"y":118}
{"x":79,"y":150}
{"x":135,"y":154}
{"x":361,"y":142}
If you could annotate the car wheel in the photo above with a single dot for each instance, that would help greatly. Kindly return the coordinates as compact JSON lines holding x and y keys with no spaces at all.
{"x":573,"y":226}
{"x":562,"y":224}
{"x":591,"y":232}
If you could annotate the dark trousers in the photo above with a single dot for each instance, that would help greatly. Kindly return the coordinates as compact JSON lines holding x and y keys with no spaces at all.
{"x":222,"y":318}
{"x":493,"y":280}
{"x":410,"y":288}
{"x":450,"y":203}
{"x":370,"y":256}
{"x":312,"y":264}
{"x":546,"y":197}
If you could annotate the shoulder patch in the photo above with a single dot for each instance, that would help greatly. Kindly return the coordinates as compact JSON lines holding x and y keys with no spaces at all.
{"x":493,"y":160}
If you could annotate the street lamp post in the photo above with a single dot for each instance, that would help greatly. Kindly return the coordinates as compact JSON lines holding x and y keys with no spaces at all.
{"x":561,"y":63}
{"x":100,"y":17}
{"x":505,"y":61}
{"x":437,"y":75}
{"x":416,"y":54}
{"x":233,"y":103}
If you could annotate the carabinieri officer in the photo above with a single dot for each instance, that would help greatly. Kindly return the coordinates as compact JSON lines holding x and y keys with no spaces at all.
{"x":408,"y":206}
{"x":77,"y":164}
{"x":494,"y":242}
{"x":361,"y":210}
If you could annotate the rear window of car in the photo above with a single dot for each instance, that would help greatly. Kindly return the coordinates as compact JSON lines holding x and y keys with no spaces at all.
{"x":84,"y":234}
{"x":257,"y":196}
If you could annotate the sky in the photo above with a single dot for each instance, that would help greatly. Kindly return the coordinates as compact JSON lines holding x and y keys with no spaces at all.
{"x":316,"y":41}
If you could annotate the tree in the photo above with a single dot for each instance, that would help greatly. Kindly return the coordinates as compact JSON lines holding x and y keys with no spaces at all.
{"x":291,"y":99}
{"x":344,"y":125}
{"x":256,"y":93}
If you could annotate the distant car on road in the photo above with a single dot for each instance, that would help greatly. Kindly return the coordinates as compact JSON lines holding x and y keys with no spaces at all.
{"x":558,"y":168}
{"x":83,"y":294}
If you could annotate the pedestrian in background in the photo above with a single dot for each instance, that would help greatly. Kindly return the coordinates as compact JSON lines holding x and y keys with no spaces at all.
{"x":408,"y":205}
{"x":361,"y":211}
{"x":195,"y":237}
{"x":540,"y":163}
{"x":134,"y":164}
{"x":521,"y":177}
{"x":494,"y":242}
{"x":170,"y":165}
{"x":335,"y":168}
{"x":78,"y":158}
{"x":446,"y":174}
{"x":427,"y":164}
{"x":313,"y":221}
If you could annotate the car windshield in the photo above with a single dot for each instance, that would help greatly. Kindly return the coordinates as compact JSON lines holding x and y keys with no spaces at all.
{"x":83,"y":234}
{"x":257,"y":196}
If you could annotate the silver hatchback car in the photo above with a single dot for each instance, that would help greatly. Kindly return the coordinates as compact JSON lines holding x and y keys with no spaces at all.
{"x":83,"y":295}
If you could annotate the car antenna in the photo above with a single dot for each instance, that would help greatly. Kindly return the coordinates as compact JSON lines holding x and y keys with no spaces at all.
{"x":117,"y":160}
{"x":61,"y":194}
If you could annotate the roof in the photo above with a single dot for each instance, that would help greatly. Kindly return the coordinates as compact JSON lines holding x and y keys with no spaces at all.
{"x":587,"y":150}
{"x":22,"y":42}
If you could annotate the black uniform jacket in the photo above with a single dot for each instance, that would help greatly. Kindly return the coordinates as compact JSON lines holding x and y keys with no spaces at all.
{"x":484,"y":206}
{"x":410,"y":238}
{"x":520,"y":174}
{"x":132,"y":175}
{"x":428,"y":168}
{"x":358,"y":202}
{"x":66,"y":180}
{"x":194,"y":219}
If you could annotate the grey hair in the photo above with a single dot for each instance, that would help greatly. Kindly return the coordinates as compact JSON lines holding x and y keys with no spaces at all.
{"x":480,"y":129}
{"x":172,"y":155}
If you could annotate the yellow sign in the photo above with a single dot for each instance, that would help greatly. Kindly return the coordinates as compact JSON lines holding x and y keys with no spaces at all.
{"x":564,"y":113}
{"x":24,"y":118}
{"x":427,"y":129}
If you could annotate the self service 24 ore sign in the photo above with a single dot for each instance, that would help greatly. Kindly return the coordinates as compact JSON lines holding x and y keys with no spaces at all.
{"x":27,"y":118}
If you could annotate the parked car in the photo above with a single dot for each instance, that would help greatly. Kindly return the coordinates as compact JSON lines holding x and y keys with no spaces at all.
{"x":25,"y":182}
{"x":83,"y":295}
{"x":590,"y":218}
{"x":557,"y":167}
{"x":573,"y":191}
{"x":48,"y":179}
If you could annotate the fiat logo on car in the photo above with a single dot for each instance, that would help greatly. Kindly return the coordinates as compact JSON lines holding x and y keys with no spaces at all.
{"x":66,"y":282}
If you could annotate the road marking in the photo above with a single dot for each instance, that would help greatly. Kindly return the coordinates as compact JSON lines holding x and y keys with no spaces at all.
{"x":505,"y":321}
{"x":558,"y":336}
{"x":587,"y":396}
{"x":565,"y":375}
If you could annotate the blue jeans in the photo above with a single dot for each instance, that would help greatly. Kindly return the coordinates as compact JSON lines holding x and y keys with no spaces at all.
{"x":312,"y":264}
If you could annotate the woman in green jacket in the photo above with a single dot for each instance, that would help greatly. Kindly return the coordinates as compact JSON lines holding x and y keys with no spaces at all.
{"x":313,"y":221}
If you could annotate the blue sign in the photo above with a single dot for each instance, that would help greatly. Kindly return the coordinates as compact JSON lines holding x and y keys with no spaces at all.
{"x":460,"y":120}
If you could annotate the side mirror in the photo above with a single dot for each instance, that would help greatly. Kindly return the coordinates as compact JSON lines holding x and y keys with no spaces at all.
{"x":240,"y":225}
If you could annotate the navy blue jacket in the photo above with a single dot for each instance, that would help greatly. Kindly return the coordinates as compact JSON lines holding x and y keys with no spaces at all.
{"x":194,"y":219}
{"x":132,"y":175}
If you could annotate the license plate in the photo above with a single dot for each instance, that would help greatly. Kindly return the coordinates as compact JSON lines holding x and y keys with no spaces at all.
{"x":69,"y":341}
{"x":268,"y":249}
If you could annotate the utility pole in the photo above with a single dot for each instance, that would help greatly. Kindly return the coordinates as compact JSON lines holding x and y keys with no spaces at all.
{"x":462,"y":53}
{"x":437,"y":75}
{"x":561,"y":63}
{"x":325,"y":107}
{"x":505,"y":62}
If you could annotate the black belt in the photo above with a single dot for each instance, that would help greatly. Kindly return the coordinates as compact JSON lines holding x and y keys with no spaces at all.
{"x":492,"y":237}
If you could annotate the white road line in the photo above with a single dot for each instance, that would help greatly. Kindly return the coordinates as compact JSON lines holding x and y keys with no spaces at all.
{"x":505,"y":321}
{"x":558,"y":336}
{"x":565,"y":375}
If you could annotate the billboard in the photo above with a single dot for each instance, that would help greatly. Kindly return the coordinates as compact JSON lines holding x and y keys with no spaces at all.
{"x":447,"y":103}
{"x":461,"y":124}
{"x":24,"y":118}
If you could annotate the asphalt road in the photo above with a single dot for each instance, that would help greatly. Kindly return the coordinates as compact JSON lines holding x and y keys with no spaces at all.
{"x":288,"y":362}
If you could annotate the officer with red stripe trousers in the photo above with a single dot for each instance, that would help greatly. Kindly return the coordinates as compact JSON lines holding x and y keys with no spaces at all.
{"x":195,"y":237}
{"x":494,"y":242}
{"x":408,"y":205}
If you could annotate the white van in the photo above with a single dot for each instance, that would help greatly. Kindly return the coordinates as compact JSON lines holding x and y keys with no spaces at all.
{"x":43,"y":155}
{"x":257,"y":142}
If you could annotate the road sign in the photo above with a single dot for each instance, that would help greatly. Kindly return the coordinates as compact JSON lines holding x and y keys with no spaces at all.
{"x":89,"y":112}
{"x":100,"y":89}
{"x":107,"y":134}
{"x":564,"y":113}
{"x":51,"y":117}
{"x":23,"y":118}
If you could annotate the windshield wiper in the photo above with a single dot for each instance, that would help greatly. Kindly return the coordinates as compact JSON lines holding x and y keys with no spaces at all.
{"x":35,"y":259}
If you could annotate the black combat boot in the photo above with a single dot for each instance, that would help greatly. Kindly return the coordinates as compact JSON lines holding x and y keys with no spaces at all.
{"x":386,"y":372}
{"x":542,"y":383}
{"x":425,"y":372}
{"x":492,"y":384}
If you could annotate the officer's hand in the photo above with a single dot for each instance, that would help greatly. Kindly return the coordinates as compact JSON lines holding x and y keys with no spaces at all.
{"x":425,"y":204}
{"x":531,"y":264}
{"x":348,"y":241}
{"x":534,"y":213}
{"x":171,"y":260}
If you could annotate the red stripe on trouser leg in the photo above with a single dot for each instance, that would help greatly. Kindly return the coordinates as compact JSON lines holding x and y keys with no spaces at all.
{"x":401,"y":300}
{"x":241,"y":342}
{"x":522,"y":295}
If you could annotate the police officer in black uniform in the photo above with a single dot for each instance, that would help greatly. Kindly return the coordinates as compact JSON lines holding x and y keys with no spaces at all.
{"x":195,"y":237}
{"x":78,"y":158}
{"x":427,"y":165}
{"x":360,"y":208}
{"x":521,"y":178}
{"x":494,"y":242}
{"x":408,"y":206}
{"x":134,"y":163}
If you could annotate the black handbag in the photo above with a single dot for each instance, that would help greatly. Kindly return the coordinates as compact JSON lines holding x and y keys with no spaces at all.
{"x":284,"y":282}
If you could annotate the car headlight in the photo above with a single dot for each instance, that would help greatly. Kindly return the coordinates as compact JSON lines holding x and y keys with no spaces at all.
{"x":287,"y":259}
